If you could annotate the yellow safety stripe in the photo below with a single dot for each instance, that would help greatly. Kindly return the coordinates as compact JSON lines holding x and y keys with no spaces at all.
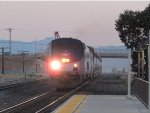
{"x":71,"y":105}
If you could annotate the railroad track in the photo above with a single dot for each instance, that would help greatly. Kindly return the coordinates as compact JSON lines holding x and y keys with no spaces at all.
{"x":19,"y":84}
{"x":22,"y":107}
{"x":60,"y":99}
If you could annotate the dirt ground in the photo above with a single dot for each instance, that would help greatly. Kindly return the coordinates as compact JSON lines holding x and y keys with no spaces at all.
{"x":109,"y":84}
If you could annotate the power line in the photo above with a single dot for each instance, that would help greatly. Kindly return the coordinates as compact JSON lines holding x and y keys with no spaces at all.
{"x":65,"y":31}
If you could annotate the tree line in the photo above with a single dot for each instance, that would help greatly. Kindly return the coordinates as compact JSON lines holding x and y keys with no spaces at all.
{"x":133,"y":28}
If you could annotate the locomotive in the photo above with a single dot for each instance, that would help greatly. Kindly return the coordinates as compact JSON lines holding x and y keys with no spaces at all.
{"x":70,"y":62}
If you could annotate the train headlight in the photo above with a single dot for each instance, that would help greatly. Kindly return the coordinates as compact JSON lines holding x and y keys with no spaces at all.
{"x":65,"y":60}
{"x":75,"y":65}
{"x":55,"y":65}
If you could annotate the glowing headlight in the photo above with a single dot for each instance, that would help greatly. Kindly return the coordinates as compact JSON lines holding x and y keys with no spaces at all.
{"x":67,"y":60}
{"x":75,"y":65}
{"x":55,"y":65}
{"x":64,"y":60}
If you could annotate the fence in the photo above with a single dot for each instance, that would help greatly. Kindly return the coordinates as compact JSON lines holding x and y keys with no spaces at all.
{"x":17,"y":64}
{"x":140,"y":90}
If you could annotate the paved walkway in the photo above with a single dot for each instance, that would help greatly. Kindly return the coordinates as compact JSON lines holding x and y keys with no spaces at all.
{"x":102,"y":104}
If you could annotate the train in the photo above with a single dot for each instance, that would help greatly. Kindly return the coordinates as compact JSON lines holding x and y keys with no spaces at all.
{"x":70,"y":62}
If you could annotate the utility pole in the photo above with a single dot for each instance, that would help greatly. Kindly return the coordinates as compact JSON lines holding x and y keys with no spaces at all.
{"x":9,"y":29}
{"x":2,"y":60}
{"x":23,"y":62}
{"x":35,"y":58}
{"x":3,"y":69}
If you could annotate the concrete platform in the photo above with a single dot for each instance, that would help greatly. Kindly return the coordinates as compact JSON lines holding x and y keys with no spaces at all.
{"x":102,"y":104}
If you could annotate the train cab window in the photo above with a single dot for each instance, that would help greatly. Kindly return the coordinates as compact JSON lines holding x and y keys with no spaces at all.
{"x":75,"y":46}
{"x":59,"y":46}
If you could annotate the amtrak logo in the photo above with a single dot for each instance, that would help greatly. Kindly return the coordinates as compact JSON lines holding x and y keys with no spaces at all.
{"x":65,"y":53}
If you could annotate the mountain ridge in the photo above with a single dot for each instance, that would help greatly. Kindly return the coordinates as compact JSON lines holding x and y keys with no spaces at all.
{"x":39,"y":45}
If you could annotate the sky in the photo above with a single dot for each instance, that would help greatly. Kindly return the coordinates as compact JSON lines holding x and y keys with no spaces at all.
{"x":91,"y":22}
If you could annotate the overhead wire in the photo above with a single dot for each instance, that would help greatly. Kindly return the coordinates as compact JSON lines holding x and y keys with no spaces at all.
{"x":65,"y":31}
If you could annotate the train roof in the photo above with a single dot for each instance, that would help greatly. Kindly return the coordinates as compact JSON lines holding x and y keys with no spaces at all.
{"x":67,"y":39}
{"x":92,"y":49}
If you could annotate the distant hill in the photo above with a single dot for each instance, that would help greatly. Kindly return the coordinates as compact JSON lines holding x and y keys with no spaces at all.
{"x":41,"y":45}
{"x":18,"y":46}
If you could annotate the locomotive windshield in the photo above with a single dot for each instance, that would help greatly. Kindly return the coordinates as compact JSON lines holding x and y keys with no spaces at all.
{"x":60,"y":46}
{"x":72,"y":48}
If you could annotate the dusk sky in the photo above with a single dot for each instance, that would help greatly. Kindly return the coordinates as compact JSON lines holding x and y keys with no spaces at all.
{"x":91,"y":22}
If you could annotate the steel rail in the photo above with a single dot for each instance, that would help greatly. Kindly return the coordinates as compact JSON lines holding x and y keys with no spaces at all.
{"x":2,"y":87}
{"x":60,"y":99}
{"x":25,"y":103}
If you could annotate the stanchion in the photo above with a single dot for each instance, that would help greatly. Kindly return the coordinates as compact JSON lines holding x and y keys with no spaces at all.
{"x":129,"y":73}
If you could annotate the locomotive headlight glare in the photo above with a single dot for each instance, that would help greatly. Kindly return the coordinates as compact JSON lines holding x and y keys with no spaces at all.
{"x":67,"y":60}
{"x":75,"y":65}
{"x":63,"y":60}
{"x":55,"y":65}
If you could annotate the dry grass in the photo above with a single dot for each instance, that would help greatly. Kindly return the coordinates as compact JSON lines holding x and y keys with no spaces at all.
{"x":14,"y":64}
